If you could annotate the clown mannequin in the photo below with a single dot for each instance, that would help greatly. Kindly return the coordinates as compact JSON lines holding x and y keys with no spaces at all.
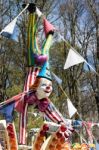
{"x":44,"y":89}
{"x":40,"y":90}
{"x":38,"y":97}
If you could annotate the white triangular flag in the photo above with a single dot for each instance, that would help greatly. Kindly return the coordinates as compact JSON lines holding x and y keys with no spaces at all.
{"x":39,"y":13}
{"x":71,"y":109}
{"x":58,"y":80}
{"x":73,"y":58}
{"x":10,"y":27}
{"x":8,"y":31}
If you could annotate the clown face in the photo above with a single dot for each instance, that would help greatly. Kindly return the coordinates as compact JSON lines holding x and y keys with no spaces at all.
{"x":44,"y":89}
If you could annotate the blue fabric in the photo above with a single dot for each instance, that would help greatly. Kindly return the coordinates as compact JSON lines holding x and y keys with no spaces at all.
{"x":7,"y":112}
{"x":97,"y":145}
{"x":77,"y":123}
{"x":45,"y":72}
{"x":12,"y":36}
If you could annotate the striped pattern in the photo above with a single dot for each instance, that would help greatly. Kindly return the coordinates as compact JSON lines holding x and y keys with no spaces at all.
{"x":31,"y":76}
{"x":52,"y":114}
{"x":33,"y":71}
{"x":32,"y":41}
{"x":46,"y":45}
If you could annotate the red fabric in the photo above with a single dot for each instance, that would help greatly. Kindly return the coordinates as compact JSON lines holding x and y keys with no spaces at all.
{"x":32,"y":99}
{"x":19,"y":106}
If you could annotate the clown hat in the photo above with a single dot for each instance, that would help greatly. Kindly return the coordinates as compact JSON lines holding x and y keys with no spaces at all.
{"x":45,"y":71}
{"x":48,"y":27}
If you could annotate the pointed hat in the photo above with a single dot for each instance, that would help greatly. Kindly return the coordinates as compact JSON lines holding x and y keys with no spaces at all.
{"x":48,"y":27}
{"x":45,"y":72}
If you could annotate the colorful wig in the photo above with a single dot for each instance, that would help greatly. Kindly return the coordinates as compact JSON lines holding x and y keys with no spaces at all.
{"x":36,"y":84}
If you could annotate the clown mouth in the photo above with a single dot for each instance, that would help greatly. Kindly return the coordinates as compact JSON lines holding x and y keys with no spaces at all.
{"x":47,"y":91}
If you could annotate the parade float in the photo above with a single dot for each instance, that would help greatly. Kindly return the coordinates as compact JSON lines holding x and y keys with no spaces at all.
{"x":56,"y":132}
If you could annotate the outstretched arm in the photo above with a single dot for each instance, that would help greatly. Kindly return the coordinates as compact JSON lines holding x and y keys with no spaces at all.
{"x":11,"y":100}
{"x":55,"y":116}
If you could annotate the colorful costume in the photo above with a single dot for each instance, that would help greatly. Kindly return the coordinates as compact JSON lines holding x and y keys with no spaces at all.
{"x":38,"y":66}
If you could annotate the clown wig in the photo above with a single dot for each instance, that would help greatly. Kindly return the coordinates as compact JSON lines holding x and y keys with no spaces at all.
{"x":36,"y":84}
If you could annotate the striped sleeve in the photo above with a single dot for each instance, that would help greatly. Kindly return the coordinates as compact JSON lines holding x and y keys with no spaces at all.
{"x":52,"y":114}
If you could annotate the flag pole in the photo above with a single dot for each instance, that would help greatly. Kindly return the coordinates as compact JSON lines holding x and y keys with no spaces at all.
{"x":22,"y":11}
{"x":63,"y":91}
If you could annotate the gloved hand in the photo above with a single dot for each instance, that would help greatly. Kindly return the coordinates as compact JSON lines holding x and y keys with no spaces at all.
{"x":67,"y":130}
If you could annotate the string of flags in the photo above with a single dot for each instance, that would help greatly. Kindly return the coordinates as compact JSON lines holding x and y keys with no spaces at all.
{"x":71,"y":109}
{"x":8,"y":31}
{"x":76,"y":59}
{"x":73,"y":55}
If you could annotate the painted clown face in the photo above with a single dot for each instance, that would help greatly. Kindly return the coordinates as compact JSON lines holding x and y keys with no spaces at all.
{"x":44,"y":89}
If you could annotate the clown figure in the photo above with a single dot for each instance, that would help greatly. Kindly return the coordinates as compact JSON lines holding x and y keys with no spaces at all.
{"x":38,"y":93}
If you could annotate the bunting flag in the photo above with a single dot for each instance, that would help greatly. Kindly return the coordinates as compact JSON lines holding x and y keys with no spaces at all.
{"x":71,"y":109}
{"x":73,"y":58}
{"x":7,"y":111}
{"x":57,"y":79}
{"x":39,"y":13}
{"x":9,"y":30}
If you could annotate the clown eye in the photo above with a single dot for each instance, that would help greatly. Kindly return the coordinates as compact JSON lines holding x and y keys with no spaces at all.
{"x":43,"y":84}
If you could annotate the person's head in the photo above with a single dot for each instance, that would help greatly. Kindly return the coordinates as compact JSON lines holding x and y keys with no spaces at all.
{"x":43,"y":87}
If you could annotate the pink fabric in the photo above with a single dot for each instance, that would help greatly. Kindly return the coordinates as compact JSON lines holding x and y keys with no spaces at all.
{"x":48,"y":27}
{"x":22,"y":107}
{"x":19,"y":106}
{"x":32,"y":99}
{"x":40,"y":59}
{"x":42,"y":104}
{"x":88,"y":127}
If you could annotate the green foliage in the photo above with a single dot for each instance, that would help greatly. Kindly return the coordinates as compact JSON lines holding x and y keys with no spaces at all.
{"x":13,"y":90}
{"x":73,"y":22}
